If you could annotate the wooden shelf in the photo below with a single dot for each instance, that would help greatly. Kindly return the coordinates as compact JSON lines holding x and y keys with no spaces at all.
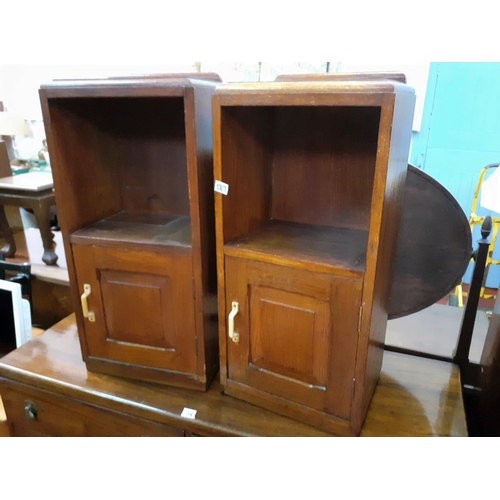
{"x":321,"y":248}
{"x":137,"y":230}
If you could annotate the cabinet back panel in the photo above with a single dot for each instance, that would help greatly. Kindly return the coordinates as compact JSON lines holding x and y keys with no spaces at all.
{"x":103,"y":143}
{"x":153,"y":142}
{"x":324,"y":164}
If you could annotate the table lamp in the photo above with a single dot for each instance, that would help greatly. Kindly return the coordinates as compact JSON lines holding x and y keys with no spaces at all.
{"x":11,"y":125}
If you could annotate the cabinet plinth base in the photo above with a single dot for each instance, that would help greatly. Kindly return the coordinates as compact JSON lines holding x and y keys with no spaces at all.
{"x":146,"y":374}
{"x":314,"y":418}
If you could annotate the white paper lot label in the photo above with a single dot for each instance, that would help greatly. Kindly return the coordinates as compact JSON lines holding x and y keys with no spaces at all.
{"x":188,"y":413}
{"x":221,"y":187}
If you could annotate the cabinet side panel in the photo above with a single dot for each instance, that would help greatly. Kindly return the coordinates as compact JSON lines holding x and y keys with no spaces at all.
{"x":345,"y":301}
{"x":246,"y":168}
{"x":81,"y":155}
{"x":386,"y":213}
{"x":201,"y":188}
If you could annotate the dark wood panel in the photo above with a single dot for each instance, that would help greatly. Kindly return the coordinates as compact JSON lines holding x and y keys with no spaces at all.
{"x":434,"y":246}
{"x":151,"y":153}
{"x":198,"y":112}
{"x":323,"y":165}
{"x":126,"y":296}
{"x":289,"y":334}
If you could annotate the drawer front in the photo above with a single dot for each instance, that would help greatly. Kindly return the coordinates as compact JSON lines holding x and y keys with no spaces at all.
{"x":34,"y":412}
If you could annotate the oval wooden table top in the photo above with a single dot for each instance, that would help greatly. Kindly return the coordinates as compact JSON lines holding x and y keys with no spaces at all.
{"x":434,"y":246}
{"x":414,"y":397}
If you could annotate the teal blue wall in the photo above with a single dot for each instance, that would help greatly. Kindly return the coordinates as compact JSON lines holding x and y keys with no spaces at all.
{"x":460,"y":133}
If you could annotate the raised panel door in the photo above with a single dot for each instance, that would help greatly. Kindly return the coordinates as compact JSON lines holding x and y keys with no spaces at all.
{"x":143,"y":307}
{"x":297,"y":334}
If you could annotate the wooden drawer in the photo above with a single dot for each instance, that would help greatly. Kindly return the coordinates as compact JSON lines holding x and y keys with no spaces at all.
{"x":34,"y":412}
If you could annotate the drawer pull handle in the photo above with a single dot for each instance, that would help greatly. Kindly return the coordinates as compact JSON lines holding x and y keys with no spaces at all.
{"x":85,"y":308}
{"x":235,"y":337}
{"x":30,"y":409}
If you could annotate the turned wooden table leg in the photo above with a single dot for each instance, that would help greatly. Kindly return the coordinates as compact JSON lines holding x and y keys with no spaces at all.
{"x":42,"y":215}
{"x":9,"y":249}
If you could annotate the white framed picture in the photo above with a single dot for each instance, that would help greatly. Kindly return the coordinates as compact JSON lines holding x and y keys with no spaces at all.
{"x":15,"y":313}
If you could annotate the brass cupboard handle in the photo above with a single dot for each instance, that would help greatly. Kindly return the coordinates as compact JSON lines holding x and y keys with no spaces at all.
{"x":235,"y":337}
{"x":85,"y":308}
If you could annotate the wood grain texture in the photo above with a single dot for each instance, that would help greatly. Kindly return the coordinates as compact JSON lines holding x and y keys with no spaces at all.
{"x":323,"y":165}
{"x":132,"y":164}
{"x":139,"y":299}
{"x":414,"y":397}
{"x":163,"y":232}
{"x":339,"y":251}
{"x":387,"y":204}
{"x":336,"y":151}
{"x":434,"y":246}
{"x":297,"y":340}
{"x":198,"y":110}
{"x":330,"y":77}
{"x":240,"y":137}
{"x":417,"y":284}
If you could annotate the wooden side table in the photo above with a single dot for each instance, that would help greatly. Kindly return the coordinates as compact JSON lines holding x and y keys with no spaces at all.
{"x":36,"y":191}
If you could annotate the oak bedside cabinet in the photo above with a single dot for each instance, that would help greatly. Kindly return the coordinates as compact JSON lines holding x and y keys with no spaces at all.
{"x":310,"y":177}
{"x":133,"y":176}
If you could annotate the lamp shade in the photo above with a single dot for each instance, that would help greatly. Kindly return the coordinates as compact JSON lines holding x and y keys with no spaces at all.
{"x":12,"y":124}
{"x":490,"y":192}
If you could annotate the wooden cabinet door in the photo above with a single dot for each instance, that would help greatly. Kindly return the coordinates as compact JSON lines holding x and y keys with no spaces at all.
{"x":298,"y":333}
{"x":143,"y":306}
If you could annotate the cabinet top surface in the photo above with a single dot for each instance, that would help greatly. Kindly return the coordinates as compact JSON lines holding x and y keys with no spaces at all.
{"x":414,"y":397}
{"x":155,"y":85}
{"x":369,"y":86}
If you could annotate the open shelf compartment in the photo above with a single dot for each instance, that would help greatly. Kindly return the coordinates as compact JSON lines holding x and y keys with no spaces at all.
{"x":300,"y":183}
{"x":125,"y":169}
